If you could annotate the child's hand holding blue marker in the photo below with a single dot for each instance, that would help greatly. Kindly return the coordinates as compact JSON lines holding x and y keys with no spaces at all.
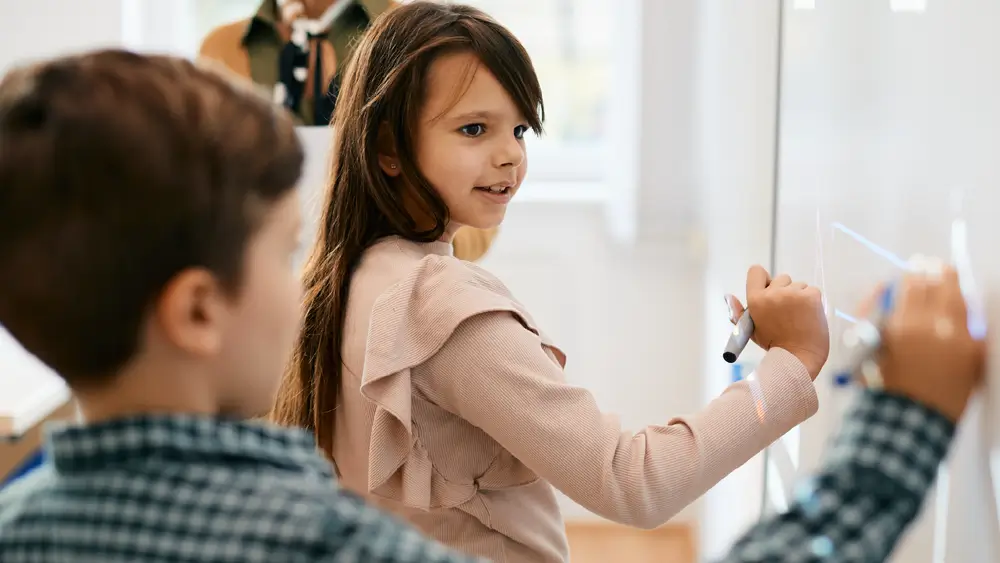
{"x":916,"y":342}
{"x":864,"y":339}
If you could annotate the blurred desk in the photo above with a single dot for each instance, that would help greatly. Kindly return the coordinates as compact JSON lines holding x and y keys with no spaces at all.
{"x":19,"y":455}
{"x":31,"y":394}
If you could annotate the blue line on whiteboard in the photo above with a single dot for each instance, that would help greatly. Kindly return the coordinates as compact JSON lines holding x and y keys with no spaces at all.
{"x":845,"y":316}
{"x":896,"y":260}
{"x":970,"y":291}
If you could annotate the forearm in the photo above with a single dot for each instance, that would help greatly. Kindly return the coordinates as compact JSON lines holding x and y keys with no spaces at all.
{"x":516,"y":393}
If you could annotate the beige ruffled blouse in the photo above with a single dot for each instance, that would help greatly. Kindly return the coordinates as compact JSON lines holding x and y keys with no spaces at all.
{"x":455,"y":415}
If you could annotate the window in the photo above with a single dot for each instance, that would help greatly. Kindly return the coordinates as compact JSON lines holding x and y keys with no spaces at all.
{"x":571,"y":46}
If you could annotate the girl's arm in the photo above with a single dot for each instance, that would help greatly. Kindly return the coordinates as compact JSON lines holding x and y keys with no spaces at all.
{"x":497,"y":374}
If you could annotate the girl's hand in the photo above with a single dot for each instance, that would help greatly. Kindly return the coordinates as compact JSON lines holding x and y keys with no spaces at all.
{"x":786,"y":315}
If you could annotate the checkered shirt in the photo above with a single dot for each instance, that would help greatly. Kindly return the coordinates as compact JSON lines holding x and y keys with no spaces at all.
{"x":880,"y":467}
{"x":186,"y":489}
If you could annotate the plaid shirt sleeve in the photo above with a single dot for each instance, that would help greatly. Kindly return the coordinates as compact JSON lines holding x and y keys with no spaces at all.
{"x":873,"y":483}
{"x":357,"y":532}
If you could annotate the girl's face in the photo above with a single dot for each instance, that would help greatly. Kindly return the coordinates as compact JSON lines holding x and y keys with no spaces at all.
{"x":470,"y":141}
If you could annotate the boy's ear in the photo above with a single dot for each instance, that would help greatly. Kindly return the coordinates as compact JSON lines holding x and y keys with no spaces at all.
{"x":191,"y":313}
{"x":387,"y":158}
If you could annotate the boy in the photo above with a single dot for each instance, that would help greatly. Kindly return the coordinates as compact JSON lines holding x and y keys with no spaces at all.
{"x":148,"y":219}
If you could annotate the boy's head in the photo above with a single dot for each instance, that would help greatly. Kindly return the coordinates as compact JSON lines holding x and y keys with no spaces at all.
{"x":148,"y":219}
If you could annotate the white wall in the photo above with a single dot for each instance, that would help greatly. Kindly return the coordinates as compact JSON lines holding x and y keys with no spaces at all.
{"x":631,"y":316}
{"x":44,"y":28}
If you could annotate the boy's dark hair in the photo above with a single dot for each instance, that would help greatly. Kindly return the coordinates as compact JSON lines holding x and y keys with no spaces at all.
{"x":117,"y":172}
{"x":383,"y":89}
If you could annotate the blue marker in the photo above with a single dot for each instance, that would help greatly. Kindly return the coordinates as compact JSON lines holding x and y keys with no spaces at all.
{"x":868,"y":340}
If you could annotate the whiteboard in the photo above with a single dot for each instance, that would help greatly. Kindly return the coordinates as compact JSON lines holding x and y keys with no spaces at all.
{"x":889,"y":145}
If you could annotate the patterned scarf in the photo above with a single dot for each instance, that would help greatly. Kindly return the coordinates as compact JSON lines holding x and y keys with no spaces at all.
{"x":293,"y":65}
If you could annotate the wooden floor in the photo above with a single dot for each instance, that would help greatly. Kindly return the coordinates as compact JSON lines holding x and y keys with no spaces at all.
{"x":599,"y":542}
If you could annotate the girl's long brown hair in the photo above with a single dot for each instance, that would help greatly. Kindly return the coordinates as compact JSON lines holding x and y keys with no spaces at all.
{"x":382,"y":90}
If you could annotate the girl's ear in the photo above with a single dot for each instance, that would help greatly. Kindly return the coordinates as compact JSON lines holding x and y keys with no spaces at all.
{"x":387,"y":159}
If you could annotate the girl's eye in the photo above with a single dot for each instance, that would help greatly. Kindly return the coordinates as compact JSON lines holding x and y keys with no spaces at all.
{"x":473,"y":130}
{"x":520,"y":130}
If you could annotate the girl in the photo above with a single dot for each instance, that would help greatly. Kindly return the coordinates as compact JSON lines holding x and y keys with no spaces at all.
{"x":429,"y":385}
